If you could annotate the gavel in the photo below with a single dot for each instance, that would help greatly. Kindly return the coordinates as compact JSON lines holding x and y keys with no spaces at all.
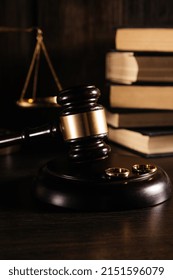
{"x":82,"y":123}
{"x":91,"y":178}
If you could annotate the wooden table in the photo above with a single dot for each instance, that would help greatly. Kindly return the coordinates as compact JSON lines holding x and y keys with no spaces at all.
{"x":30,"y":231}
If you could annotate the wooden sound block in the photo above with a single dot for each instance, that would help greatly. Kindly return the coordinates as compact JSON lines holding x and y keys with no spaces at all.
{"x":90,"y":186}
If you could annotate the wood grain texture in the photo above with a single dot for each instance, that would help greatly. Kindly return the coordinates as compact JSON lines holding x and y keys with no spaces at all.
{"x":142,"y":234}
{"x":147,"y":13}
{"x":15,"y":54}
{"x":77,"y":34}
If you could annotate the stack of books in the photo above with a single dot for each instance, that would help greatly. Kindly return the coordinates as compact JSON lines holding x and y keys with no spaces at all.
{"x":139,"y":72}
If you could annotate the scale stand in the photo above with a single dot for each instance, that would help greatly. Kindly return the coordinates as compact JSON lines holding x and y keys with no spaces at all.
{"x":49,"y":101}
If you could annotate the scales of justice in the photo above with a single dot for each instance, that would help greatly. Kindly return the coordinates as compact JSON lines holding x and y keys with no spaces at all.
{"x":89,"y":177}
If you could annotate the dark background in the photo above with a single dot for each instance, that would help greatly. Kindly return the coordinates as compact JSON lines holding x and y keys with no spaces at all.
{"x":77,"y":34}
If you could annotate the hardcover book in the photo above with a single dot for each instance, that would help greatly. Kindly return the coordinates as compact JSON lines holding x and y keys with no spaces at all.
{"x":138,"y":118}
{"x":141,"y":96}
{"x":131,"y":67}
{"x":148,"y":141}
{"x":144,"y":39}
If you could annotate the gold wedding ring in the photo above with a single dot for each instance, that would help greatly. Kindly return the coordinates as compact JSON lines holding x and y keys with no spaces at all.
{"x":117,"y":172}
{"x":143,"y":168}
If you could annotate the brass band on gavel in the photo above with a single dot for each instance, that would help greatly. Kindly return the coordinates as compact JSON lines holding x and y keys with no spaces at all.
{"x":83,"y":124}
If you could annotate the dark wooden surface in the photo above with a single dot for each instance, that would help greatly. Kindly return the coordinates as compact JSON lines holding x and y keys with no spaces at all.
{"x":30,"y":231}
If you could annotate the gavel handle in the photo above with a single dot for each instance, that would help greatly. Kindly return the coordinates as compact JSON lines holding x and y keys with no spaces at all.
{"x":21,"y":137}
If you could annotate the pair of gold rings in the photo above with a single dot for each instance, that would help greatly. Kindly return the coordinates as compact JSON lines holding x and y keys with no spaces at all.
{"x":138,"y":169}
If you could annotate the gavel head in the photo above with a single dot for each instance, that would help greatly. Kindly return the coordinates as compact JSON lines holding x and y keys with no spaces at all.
{"x":83,"y":123}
